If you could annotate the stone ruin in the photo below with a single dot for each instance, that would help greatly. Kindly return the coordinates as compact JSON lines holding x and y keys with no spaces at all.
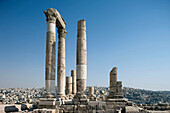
{"x":75,"y":100}
{"x":116,"y":90}
{"x":71,"y":98}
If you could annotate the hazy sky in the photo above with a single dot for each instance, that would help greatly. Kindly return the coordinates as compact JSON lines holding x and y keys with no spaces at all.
{"x":133,"y":35}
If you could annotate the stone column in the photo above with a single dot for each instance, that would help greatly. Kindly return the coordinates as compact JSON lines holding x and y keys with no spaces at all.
{"x":92,"y":97}
{"x":91,"y":91}
{"x":116,"y":91}
{"x":61,"y":63}
{"x":81,"y":69}
{"x":73,"y":75}
{"x":50,"y":53}
{"x":113,"y":81}
{"x":68,"y":85}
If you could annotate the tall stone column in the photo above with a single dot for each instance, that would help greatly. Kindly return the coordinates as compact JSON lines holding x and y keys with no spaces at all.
{"x":68,"y":85}
{"x":50,"y":53}
{"x":81,"y":69}
{"x":73,"y":75}
{"x":61,"y":63}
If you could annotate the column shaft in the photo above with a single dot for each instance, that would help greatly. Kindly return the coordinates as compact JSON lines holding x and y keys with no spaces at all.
{"x":50,"y":59}
{"x":91,"y":91}
{"x":91,"y":95}
{"x":73,"y":74}
{"x":68,"y":85}
{"x":61,"y":63}
{"x":81,"y":57}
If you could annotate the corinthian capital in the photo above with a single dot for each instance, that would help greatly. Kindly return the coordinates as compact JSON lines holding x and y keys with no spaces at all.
{"x":54,"y":16}
{"x":51,"y":15}
{"x":62,"y":33}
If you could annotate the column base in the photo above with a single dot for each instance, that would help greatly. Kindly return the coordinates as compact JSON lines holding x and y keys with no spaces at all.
{"x":92,"y":98}
{"x":69,"y":97}
{"x":63,"y":97}
{"x":80,"y":99}
{"x":49,"y":95}
{"x":111,"y":96}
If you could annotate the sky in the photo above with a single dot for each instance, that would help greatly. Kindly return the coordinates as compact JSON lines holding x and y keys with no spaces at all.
{"x":133,"y":35}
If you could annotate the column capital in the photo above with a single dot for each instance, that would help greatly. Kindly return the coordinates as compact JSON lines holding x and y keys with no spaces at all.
{"x":51,"y":15}
{"x":62,"y":33}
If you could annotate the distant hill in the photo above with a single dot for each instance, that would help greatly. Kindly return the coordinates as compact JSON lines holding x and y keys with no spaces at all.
{"x":141,"y":96}
{"x":138,"y":96}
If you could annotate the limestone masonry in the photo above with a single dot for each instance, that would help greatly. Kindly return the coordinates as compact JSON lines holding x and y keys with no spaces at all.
{"x":70,"y":96}
{"x":116,"y":90}
{"x":68,"y":85}
{"x":50,"y":53}
{"x":74,"y":88}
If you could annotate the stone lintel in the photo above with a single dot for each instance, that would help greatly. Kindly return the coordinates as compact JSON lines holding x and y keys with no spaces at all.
{"x":54,"y":16}
{"x":60,"y":23}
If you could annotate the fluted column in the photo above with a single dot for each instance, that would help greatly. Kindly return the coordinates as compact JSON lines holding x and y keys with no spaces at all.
{"x":68,"y":85}
{"x":61,"y":63}
{"x":50,"y":53}
{"x":73,"y":75}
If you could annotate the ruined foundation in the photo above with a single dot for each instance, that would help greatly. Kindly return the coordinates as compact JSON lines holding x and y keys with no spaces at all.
{"x":76,"y":83}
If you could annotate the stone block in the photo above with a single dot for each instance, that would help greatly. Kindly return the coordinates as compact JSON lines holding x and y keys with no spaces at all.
{"x":131,"y":109}
{"x":45,"y":111}
{"x":49,"y":103}
{"x":93,"y":103}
